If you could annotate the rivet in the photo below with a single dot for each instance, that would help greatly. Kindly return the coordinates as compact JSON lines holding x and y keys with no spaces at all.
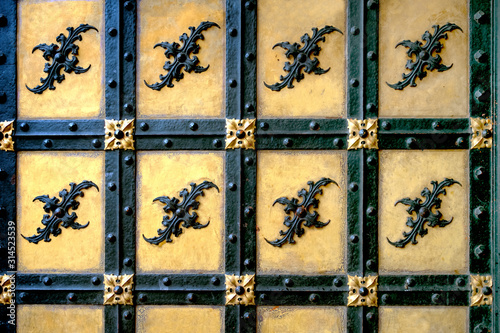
{"x":372,"y":4}
{"x":3,"y":58}
{"x":166,"y":281}
{"x":127,"y":315}
{"x":480,"y":56}
{"x":191,"y":297}
{"x":3,"y":98}
{"x":232,"y":238}
{"x":233,"y":32}
{"x":371,"y":160}
{"x":248,"y":161}
{"x":354,"y":82}
{"x":233,"y":83}
{"x":437,"y":125}
{"x":481,"y":329}
{"x":371,"y":264}
{"x":370,"y":316}
{"x":3,"y":21}
{"x":128,"y":56}
{"x":23,"y":296}
{"x":72,"y":127}
{"x":363,"y":291}
{"x":111,"y":186}
{"x":355,"y":30}
{"x":249,"y":108}
{"x":47,"y":281}
{"x":480,"y":17}
{"x":353,"y":187}
{"x":112,"y":32}
{"x":128,"y":108}
{"x":143,"y":298}
{"x":47,"y":143}
{"x":288,"y":282}
{"x":410,"y":282}
{"x":24,"y":127}
{"x":144,"y":126}
{"x":370,"y":107}
{"x":460,"y":142}
{"x":287,"y":142}
{"x":371,"y":211}
{"x":486,"y":133}
{"x":128,"y":210}
{"x":385,"y":298}
{"x":248,"y":316}
{"x":480,"y":94}
{"x":96,"y":281}
{"x":96,"y":143}
{"x":249,"y":5}
{"x":167,"y":143}
{"x":436,"y":299}
{"x":314,"y":126}
{"x":411,"y":143}
{"x":313,"y":298}
{"x":338,"y":143}
{"x":232,"y":186}
{"x":71,"y":297}
{"x":193,"y":126}
{"x":127,"y":262}
{"x":3,"y":174}
{"x":217,"y":143}
{"x":337,"y":282}
{"x":386,"y":125}
{"x":129,"y":5}
{"x":111,"y":238}
{"x":354,"y":239}
{"x":112,"y":83}
{"x":249,"y":211}
{"x":371,"y":55}
{"x":480,"y":173}
{"x":480,"y":251}
{"x":129,"y":160}
{"x":460,"y":282}
{"x":249,"y":56}
{"x":248,"y":263}
{"x":481,"y":213}
{"x":215,"y":281}
{"x":264,"y":126}
{"x":486,"y":290}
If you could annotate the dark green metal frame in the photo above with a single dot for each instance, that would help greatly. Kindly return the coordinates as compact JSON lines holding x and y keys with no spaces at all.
{"x":176,"y":134}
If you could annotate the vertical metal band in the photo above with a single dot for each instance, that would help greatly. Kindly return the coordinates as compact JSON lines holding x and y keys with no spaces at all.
{"x":371,"y":61}
{"x":355,"y":60}
{"x":355,"y":181}
{"x":233,"y":212}
{"x":233,"y":59}
{"x":112,"y":211}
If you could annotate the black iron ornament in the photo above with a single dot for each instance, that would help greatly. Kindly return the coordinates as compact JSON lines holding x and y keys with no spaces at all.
{"x":301,"y":212}
{"x":60,"y":58}
{"x":182,"y":57}
{"x":59,"y":209}
{"x":424,"y":58}
{"x":301,"y":56}
{"x":180,"y":213}
{"x":424,"y":212}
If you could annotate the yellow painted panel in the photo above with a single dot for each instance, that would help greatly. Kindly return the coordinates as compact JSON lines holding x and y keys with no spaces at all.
{"x":423,"y":319}
{"x":444,"y":94}
{"x":196,"y":95}
{"x":185,"y":319}
{"x":79,"y":95}
{"x":166,"y":174}
{"x":47,"y":173}
{"x":405,"y":174}
{"x":290,"y":319}
{"x":60,"y":318}
{"x":316,"y":95}
{"x":283,"y":174}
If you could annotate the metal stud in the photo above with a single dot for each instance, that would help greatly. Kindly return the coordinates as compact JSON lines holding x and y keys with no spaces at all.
{"x":47,"y":143}
{"x":112,"y":32}
{"x":167,"y":143}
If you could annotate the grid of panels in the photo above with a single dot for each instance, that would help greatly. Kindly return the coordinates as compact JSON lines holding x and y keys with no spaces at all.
{"x":272,"y":134}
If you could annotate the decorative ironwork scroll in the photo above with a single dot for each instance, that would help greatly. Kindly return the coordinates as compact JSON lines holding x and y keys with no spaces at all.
{"x":182,"y":57}
{"x":424,"y":58}
{"x":59,"y":209}
{"x":302,"y":58}
{"x":301,"y":212}
{"x":180,"y":213}
{"x":424,"y":212}
{"x":61,"y":58}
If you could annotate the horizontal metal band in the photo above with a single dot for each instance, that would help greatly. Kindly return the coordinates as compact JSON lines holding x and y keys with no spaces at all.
{"x":450,"y":298}
{"x":50,"y":282}
{"x":179,"y":282}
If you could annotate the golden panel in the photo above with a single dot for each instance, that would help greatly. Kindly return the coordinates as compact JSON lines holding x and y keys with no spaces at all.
{"x":423,"y":319}
{"x":47,"y":173}
{"x":166,"y":174}
{"x":119,"y":134}
{"x":482,"y":293}
{"x":186,"y":319}
{"x":60,"y":318}
{"x":283,"y":174}
{"x":301,"y":319}
{"x":118,"y":289}
{"x":315,"y":95}
{"x":362,"y":291}
{"x":439,"y":94}
{"x":6,"y":139}
{"x":404,"y":174}
{"x":240,"y":133}
{"x":240,"y":290}
{"x":197,"y":94}
{"x":481,"y":133}
{"x":79,"y":95}
{"x":362,"y":133}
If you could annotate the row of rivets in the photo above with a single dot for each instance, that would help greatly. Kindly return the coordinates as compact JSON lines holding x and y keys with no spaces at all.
{"x":313,"y":298}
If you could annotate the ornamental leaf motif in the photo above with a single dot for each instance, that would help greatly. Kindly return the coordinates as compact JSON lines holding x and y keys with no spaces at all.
{"x":59,"y":209}
{"x":182,"y":57}
{"x":61,"y":58}
{"x":179,"y":212}
{"x":424,"y":213}
{"x":302,"y":58}
{"x":300,"y":211}
{"x":424,"y":58}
